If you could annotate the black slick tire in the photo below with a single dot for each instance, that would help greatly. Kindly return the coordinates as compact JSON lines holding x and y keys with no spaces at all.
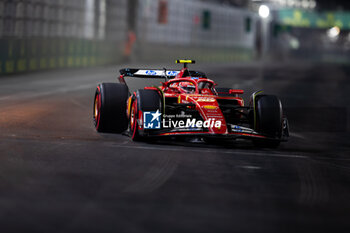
{"x":109,"y":113}
{"x":268,"y":120}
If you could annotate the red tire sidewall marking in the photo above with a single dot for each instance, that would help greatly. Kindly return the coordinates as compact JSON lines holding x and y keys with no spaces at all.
{"x":134,"y":126}
{"x":98,"y":102}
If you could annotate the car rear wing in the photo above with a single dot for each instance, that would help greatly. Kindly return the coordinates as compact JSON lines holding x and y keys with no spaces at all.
{"x":136,"y":79}
{"x":149,"y":73}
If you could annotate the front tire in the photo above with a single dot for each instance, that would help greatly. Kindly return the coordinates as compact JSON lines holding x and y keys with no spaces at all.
{"x":144,"y":101}
{"x":109,"y":113}
{"x":268,"y":120}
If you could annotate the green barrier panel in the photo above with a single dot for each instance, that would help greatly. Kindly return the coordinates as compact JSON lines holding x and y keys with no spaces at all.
{"x":25,"y":55}
{"x":303,"y":18}
{"x":34,"y":54}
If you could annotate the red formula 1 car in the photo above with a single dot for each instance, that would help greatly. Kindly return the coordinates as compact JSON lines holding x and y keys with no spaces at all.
{"x":186,"y":103}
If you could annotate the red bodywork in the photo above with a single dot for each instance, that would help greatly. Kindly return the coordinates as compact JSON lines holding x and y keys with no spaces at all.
{"x":204,"y":99}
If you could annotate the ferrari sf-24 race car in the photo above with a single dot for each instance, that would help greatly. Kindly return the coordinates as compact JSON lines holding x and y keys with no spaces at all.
{"x":186,"y":103}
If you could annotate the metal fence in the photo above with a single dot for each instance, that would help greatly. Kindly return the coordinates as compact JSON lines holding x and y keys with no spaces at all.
{"x":205,"y":31}
{"x":43,"y":34}
{"x":196,"y":23}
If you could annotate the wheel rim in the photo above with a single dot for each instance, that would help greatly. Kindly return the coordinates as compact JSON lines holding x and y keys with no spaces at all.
{"x":97,"y":107}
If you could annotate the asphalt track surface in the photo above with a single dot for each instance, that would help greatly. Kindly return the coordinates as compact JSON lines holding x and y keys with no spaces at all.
{"x":58,"y":175}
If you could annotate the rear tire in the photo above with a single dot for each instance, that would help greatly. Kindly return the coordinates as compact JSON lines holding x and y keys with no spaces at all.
{"x":149,"y":100}
{"x":109,"y":111}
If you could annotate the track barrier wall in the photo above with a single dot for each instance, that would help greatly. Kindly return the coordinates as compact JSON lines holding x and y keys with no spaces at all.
{"x":45,"y":34}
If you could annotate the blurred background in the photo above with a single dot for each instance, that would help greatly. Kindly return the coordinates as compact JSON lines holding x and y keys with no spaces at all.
{"x":50,"y":34}
{"x":57,"y":174}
